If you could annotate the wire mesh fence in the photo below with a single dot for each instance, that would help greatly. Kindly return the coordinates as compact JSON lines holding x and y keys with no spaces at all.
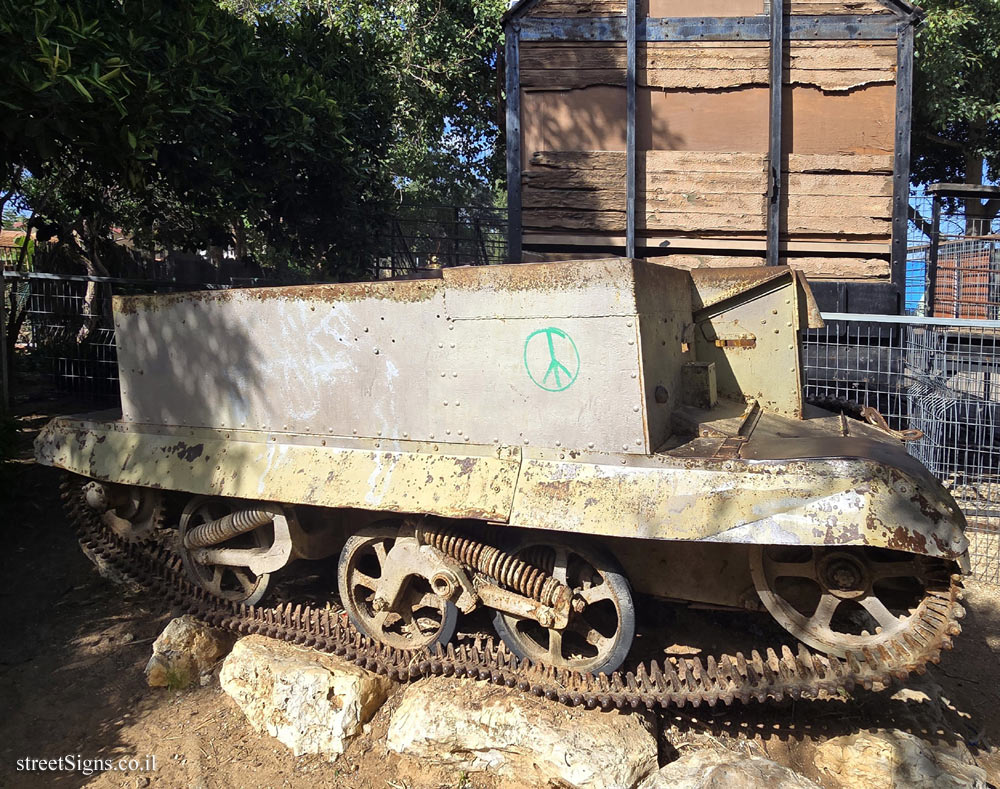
{"x":430,"y":236}
{"x":60,"y":325}
{"x":940,"y":376}
{"x":59,"y":328}
{"x":953,"y":267}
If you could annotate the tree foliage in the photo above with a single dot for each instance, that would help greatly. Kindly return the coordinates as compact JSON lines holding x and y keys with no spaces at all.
{"x":445,"y":72}
{"x":186,"y":125}
{"x":956,"y":121}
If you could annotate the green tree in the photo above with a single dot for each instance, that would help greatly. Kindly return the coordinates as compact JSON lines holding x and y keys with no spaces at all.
{"x":956,"y":118}
{"x":183,"y":124}
{"x":444,"y":67}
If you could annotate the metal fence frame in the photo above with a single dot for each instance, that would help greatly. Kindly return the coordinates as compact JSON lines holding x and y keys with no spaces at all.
{"x":68,"y":328}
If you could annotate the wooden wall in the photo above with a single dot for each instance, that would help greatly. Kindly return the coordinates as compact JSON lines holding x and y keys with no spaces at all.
{"x":702,"y":141}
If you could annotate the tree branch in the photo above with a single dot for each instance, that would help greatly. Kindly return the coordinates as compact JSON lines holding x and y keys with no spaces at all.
{"x":944,"y":141}
{"x":922,"y":224}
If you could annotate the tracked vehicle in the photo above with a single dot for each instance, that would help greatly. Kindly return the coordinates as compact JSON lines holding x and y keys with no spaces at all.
{"x":557,"y":443}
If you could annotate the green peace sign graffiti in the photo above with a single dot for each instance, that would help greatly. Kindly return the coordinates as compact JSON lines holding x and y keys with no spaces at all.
{"x":551,"y":359}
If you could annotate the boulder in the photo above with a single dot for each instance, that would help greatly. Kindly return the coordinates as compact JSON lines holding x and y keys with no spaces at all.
{"x":185,"y":651}
{"x":313,"y":703}
{"x":720,"y":769}
{"x":895,"y":759}
{"x":478,"y":727}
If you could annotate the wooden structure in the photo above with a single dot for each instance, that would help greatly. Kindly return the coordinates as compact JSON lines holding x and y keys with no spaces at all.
{"x":649,"y":126}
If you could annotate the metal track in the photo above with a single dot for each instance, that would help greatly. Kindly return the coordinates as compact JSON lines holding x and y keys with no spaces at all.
{"x":773,"y":675}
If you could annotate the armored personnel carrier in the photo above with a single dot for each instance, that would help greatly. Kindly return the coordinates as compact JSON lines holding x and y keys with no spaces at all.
{"x":556,"y":443}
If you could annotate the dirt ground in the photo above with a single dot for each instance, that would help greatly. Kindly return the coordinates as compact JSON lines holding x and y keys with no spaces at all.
{"x":73,"y":648}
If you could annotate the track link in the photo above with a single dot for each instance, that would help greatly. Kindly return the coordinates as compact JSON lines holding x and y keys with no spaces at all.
{"x":775,"y":674}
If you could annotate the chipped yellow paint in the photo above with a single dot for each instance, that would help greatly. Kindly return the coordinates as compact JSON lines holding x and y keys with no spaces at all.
{"x":817,"y":501}
{"x":459,"y":482}
{"x":842,"y":501}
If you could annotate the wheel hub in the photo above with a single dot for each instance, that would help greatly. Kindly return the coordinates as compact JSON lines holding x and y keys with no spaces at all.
{"x":844,"y":576}
{"x":388,"y":598}
{"x":601,"y":624}
{"x":837,"y":600}
{"x":235,"y":583}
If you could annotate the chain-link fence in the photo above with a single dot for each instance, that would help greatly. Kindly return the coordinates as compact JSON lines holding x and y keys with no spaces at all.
{"x":941,"y":376}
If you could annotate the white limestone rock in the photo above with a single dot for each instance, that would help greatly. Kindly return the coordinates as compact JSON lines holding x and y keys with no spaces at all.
{"x":895,"y":759}
{"x":720,"y":769}
{"x":313,"y":703}
{"x":478,"y":727}
{"x":185,"y":651}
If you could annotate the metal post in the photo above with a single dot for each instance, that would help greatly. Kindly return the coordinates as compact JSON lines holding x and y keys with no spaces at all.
{"x":4,"y":368}
{"x":512,"y":55}
{"x":774,"y":160}
{"x":901,"y":158}
{"x":630,"y":131}
{"x":930,"y":276}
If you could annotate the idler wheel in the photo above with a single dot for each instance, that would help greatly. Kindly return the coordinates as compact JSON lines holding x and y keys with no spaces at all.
{"x":131,"y":512}
{"x":233,"y":583}
{"x":602,"y":623}
{"x":840,"y":600}
{"x":421,"y":616}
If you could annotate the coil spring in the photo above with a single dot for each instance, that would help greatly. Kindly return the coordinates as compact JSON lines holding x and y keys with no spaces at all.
{"x":226,"y":527}
{"x":505,"y":568}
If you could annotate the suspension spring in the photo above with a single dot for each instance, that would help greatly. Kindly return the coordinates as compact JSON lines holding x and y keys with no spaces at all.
{"x":226,"y":527}
{"x":504,"y":568}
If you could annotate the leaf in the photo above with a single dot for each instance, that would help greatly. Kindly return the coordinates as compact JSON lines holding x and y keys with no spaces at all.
{"x":78,"y":86}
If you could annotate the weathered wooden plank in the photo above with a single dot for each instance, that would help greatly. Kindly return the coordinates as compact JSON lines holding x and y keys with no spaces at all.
{"x":837,"y":7}
{"x":713,"y":78}
{"x":840,"y":163}
{"x":838,"y":184}
{"x":841,"y":268}
{"x":842,"y":205}
{"x":685,"y":182}
{"x":716,"y":244}
{"x":799,"y":207}
{"x":655,"y":220}
{"x":856,"y":122}
{"x":581,"y":27}
{"x":827,"y":65}
{"x":703,"y":161}
{"x":713,"y":162}
{"x":837,"y":225}
{"x":615,"y":221}
{"x":696,"y":8}
{"x":653,"y":200}
{"x":577,"y":8}
{"x":812,"y":267}
{"x":701,"y":222}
